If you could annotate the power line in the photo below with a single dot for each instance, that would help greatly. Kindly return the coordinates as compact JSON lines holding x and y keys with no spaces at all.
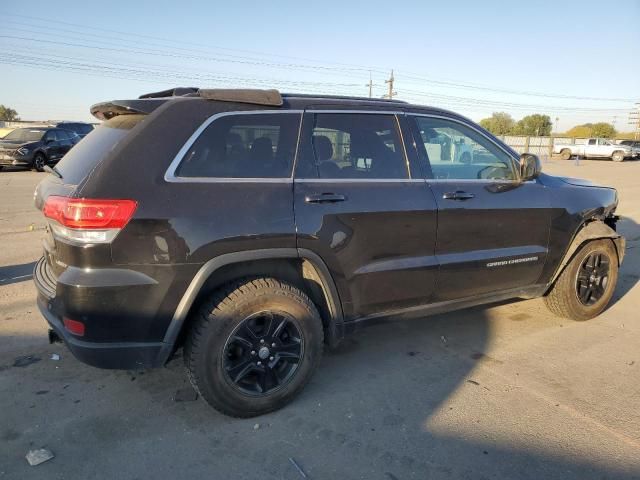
{"x":342,"y":66}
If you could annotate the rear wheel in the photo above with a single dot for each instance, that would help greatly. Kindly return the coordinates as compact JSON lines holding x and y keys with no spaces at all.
{"x":565,"y":154}
{"x":254,"y":346}
{"x":39,"y":161}
{"x":585,"y":287}
{"x":617,"y":156}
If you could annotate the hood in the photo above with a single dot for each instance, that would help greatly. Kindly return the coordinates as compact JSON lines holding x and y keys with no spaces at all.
{"x":580,"y":182}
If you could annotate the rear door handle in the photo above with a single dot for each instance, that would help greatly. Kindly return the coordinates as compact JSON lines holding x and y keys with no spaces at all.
{"x":458,"y":195}
{"x":325,"y":198}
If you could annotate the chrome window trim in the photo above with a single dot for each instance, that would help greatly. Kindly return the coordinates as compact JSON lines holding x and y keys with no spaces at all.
{"x":171,"y":177}
{"x":468,"y":125}
{"x":359,"y":180}
{"x":393,"y":113}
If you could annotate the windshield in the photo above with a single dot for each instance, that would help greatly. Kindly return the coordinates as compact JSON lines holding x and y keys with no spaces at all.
{"x":25,"y":135}
{"x":86,"y":155}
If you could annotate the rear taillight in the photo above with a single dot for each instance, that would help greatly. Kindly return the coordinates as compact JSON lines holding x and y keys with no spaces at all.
{"x":84,"y":220}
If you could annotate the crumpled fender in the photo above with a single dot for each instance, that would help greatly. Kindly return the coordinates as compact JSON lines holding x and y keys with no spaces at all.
{"x":592,"y":231}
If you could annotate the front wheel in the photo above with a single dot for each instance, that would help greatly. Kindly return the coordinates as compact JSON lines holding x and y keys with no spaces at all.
{"x":617,"y":156}
{"x":254,"y":346}
{"x":39,"y":161}
{"x":585,"y":287}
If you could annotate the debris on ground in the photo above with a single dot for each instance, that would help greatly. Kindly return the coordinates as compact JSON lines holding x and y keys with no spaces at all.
{"x":25,"y":361}
{"x":256,"y":426}
{"x":55,"y":356}
{"x":185,"y":395}
{"x":473,"y":381}
{"x":444,"y":339}
{"x":298,"y":468}
{"x":36,"y":457}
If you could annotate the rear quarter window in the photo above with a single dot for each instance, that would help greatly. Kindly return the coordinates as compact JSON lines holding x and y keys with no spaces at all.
{"x":87,"y":154}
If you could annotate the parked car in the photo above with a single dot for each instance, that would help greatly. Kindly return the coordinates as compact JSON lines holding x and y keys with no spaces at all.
{"x":248,"y":228}
{"x":596,"y":148}
{"x":79,"y":128}
{"x":634,"y":144}
{"x":35,"y":147}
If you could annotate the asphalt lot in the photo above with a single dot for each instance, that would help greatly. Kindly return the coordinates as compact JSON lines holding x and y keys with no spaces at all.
{"x":506,"y":391}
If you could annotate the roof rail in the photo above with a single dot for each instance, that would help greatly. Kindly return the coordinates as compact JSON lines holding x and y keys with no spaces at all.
{"x":341,"y":97}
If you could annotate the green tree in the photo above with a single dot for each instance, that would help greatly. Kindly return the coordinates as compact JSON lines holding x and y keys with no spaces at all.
{"x":536,"y":124}
{"x":499,"y":123}
{"x":8,"y":114}
{"x":599,"y":130}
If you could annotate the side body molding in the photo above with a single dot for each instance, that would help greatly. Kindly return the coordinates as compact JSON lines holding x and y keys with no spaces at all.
{"x":336,"y":330}
{"x":591,"y":231}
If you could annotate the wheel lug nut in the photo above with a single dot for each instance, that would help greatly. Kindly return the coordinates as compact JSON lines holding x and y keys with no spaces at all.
{"x":262,"y":340}
{"x":271,"y":358}
{"x":253,"y":352}
{"x":259,"y":363}
{"x":273,"y":344}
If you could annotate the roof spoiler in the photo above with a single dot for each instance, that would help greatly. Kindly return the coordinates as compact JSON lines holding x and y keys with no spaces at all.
{"x":107,"y":110}
{"x":150,"y":101}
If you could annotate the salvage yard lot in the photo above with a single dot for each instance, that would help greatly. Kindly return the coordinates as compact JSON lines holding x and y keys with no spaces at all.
{"x":505,"y":391}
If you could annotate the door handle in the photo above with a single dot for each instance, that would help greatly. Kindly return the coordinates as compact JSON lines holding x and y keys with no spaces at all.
{"x":325,"y":198}
{"x":458,"y":195}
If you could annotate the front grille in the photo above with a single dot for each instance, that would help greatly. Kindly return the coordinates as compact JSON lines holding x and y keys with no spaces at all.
{"x":44,"y":278}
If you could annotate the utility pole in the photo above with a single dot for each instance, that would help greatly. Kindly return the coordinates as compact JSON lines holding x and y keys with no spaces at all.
{"x":391,"y":93}
{"x":634,"y":119}
{"x":370,"y":85}
{"x":556,"y":125}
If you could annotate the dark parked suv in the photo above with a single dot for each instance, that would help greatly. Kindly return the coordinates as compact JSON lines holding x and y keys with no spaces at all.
{"x":79,"y":128}
{"x":35,"y":147}
{"x":250,"y":228}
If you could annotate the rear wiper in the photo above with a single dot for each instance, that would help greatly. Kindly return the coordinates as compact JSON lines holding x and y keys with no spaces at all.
{"x":53,"y":171}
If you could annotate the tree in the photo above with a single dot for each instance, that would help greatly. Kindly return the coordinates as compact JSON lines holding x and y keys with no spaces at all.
{"x":8,"y":114}
{"x":599,"y":130}
{"x":536,"y":124}
{"x":499,"y":123}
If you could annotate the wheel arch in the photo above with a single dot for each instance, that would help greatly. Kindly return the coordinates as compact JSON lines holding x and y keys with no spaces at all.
{"x":302,"y":267}
{"x":593,"y":230}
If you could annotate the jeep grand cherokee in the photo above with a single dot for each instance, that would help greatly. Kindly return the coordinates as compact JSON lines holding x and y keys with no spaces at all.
{"x":247,"y":228}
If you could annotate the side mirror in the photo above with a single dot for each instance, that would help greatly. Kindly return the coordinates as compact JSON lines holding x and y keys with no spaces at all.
{"x":48,"y":141}
{"x":530,"y":166}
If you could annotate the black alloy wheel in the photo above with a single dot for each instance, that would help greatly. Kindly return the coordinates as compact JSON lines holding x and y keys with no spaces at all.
{"x":592,"y":278}
{"x":263,"y":353}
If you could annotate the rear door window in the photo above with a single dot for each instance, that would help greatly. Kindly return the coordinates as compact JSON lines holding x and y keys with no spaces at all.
{"x":256,"y":145}
{"x":86,"y":155}
{"x":358,"y":146}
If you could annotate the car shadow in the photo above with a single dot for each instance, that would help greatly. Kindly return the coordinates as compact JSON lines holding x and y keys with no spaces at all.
{"x":16,"y":273}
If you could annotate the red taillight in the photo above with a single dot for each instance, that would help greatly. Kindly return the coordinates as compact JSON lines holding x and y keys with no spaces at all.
{"x":85,"y":213}
{"x":74,"y":326}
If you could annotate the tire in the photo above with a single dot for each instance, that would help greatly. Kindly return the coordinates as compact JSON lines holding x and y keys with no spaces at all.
{"x":227,"y":361}
{"x":39,"y":161}
{"x":617,"y":156}
{"x":566,"y":298}
{"x":565,"y":154}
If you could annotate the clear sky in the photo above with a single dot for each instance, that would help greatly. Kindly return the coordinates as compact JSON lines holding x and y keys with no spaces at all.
{"x":578,"y":61}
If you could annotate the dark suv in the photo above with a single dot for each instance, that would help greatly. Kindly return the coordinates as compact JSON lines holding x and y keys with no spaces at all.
{"x":79,"y":128}
{"x":35,"y":147}
{"x":250,"y":228}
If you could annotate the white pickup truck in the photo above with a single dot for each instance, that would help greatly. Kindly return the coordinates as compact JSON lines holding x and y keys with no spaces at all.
{"x":596,"y":148}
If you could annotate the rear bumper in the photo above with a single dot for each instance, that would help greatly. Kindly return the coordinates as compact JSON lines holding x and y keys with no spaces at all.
{"x":112,"y":355}
{"x":124,"y":356}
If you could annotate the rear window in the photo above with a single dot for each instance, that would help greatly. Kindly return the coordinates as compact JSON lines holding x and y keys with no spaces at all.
{"x":87,"y":154}
{"x":260,"y":145}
